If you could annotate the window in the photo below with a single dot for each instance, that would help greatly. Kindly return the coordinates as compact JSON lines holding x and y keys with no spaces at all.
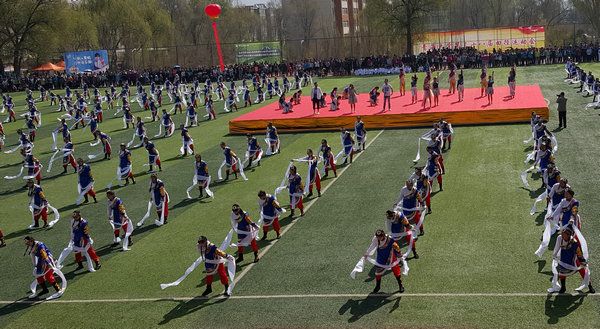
{"x":345,"y":24}
{"x":344,"y":4}
{"x":355,"y":4}
{"x":344,"y":11}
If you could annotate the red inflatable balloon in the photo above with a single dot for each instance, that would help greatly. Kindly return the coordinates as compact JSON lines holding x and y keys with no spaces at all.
{"x":212,"y":10}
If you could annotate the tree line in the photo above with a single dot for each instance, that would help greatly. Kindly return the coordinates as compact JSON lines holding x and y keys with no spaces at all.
{"x":34,"y":31}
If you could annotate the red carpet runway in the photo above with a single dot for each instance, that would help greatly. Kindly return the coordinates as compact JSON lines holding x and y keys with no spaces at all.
{"x":473,"y":110}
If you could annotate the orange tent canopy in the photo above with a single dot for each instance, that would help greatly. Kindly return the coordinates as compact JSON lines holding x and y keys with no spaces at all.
{"x":61,"y":65}
{"x":49,"y":67}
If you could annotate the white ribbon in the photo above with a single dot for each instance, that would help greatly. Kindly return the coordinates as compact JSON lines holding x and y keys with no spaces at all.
{"x":186,"y":146}
{"x":195,"y":181}
{"x":69,"y":249}
{"x":235,"y":161}
{"x":258,"y":158}
{"x":524,"y":176}
{"x":121,"y":172}
{"x":12,"y":150}
{"x":556,"y":261}
{"x":63,"y":283}
{"x":54,"y":140}
{"x":54,"y":158}
{"x":127,"y":233}
{"x":17,"y":175}
{"x":541,"y":197}
{"x":83,"y":191}
{"x":171,"y":125}
{"x":283,"y":185}
{"x":268,"y":141}
{"x":359,"y":267}
{"x":231,"y":268}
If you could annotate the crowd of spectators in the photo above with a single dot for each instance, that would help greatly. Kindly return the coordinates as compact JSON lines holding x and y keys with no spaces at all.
{"x":437,"y":59}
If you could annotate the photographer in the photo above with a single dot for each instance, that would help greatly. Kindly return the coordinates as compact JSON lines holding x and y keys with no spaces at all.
{"x":562,"y":110}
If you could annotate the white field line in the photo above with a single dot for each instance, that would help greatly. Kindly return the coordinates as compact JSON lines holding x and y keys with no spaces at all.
{"x":238,"y":277}
{"x":302,"y":296}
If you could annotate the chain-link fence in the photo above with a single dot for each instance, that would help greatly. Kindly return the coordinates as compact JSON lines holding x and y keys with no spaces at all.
{"x":205,"y":54}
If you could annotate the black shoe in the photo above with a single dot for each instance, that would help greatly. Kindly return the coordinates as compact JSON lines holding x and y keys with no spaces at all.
{"x":256,"y":259}
{"x":98,"y":265}
{"x":591,"y":289}
{"x":415,"y":255}
{"x":95,"y":200}
{"x":377,"y":287}
{"x":318,"y":193}
{"x":240,"y":259}
{"x":324,"y":176}
{"x":130,"y":242}
{"x":422,"y":233}
{"x":79,"y":266}
{"x":309,"y":195}
{"x":226,"y":294}
{"x":44,"y":289}
{"x":86,"y":200}
{"x":207,"y":291}
{"x":563,"y":286}
{"x":400,"y":286}
{"x":264,"y":237}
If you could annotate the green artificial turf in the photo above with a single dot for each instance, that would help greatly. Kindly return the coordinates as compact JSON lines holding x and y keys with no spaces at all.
{"x":479,"y":239}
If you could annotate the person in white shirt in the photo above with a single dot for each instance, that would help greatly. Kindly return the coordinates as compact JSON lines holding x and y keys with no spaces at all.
{"x":316,"y":95}
{"x":387,"y":95}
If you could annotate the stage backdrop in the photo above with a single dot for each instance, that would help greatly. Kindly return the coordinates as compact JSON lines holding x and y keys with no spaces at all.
{"x":269,"y":52}
{"x":86,"y":61}
{"x":484,"y":39}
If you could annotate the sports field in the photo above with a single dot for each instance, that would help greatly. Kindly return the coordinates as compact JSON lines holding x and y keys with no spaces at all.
{"x":476,"y":267}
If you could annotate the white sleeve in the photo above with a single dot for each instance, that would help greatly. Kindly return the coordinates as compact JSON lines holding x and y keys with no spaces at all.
{"x":552,"y":191}
{"x":556,"y":213}
{"x":557,"y":247}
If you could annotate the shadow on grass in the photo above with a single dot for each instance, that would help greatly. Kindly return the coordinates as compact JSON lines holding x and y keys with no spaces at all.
{"x":539,"y":219}
{"x":361,"y":307}
{"x":9,"y":192}
{"x":188,"y":307}
{"x":187,"y":202}
{"x":561,"y":305}
{"x":17,"y":234}
{"x":533,"y":194}
{"x":8,"y":165}
{"x":17,"y":306}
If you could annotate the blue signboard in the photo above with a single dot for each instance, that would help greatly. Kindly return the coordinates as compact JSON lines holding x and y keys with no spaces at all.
{"x":91,"y":61}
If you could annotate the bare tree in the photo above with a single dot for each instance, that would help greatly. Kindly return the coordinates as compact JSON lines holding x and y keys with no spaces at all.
{"x":590,"y":10}
{"x":22,"y":21}
{"x":404,"y":17}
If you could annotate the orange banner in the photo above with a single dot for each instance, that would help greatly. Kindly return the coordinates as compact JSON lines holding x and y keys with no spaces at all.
{"x":484,"y":39}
